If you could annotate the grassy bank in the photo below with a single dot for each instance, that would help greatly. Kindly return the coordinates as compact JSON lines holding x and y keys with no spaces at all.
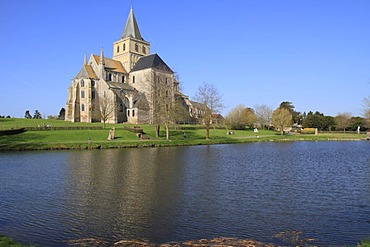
{"x":97,"y":138}
{"x":8,"y":242}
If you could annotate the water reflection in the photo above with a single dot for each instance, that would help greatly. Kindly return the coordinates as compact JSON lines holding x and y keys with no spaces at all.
{"x":180,"y":193}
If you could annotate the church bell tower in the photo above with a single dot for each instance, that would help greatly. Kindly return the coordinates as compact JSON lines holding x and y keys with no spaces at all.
{"x":131,"y":46}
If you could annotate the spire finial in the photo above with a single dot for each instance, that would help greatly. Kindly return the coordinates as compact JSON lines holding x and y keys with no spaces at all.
{"x":85,"y":59}
{"x":101,"y":56}
{"x":131,"y":4}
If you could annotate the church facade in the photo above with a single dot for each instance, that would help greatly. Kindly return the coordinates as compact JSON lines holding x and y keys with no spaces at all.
{"x":134,"y":86}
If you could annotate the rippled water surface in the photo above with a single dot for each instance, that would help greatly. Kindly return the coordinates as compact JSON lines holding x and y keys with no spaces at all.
{"x":182,"y":193}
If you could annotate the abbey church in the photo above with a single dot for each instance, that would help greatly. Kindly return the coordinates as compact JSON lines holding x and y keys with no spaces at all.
{"x":134,"y":86}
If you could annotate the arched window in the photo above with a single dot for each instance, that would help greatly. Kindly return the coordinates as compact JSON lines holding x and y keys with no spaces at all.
{"x":83,"y":107}
{"x":144,"y":49}
{"x":136,"y":47}
{"x":133,"y":79}
{"x":82,"y":83}
{"x":117,"y":48}
{"x":124,"y":46}
{"x":82,"y":94}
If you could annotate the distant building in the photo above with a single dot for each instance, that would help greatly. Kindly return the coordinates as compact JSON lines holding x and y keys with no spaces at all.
{"x":217,"y":119}
{"x":128,"y":86}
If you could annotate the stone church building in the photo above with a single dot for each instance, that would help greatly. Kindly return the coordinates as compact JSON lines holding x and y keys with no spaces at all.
{"x":133,"y":86}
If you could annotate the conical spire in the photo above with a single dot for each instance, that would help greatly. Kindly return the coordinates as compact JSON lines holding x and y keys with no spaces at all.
{"x":131,"y":27}
{"x":101,"y":61}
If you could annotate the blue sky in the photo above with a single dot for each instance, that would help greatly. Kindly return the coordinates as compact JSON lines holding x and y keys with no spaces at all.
{"x":313,"y":53}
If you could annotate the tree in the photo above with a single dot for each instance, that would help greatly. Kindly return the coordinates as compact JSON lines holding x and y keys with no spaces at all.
{"x":281,"y":118}
{"x":296,"y":116}
{"x":62,"y":114}
{"x":355,"y":122}
{"x":240,"y":117}
{"x":343,"y":120}
{"x":164,"y":107}
{"x":211,"y":101}
{"x":287,"y":105}
{"x":366,"y":111}
{"x":27,"y":115}
{"x":263,"y":115}
{"x":318,"y":120}
{"x":37,"y":115}
{"x":105,"y":108}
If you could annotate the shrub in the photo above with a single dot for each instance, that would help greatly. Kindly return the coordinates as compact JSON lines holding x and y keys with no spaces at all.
{"x":308,"y":131}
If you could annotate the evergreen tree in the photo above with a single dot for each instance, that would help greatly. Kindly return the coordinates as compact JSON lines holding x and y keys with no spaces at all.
{"x":37,"y":115}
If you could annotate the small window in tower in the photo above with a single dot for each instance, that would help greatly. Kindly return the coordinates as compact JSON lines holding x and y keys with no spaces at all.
{"x":136,"y":47}
{"x":133,"y":79}
{"x":82,"y":83}
{"x":83,"y":107}
{"x":124,"y":46}
{"x":128,"y":113}
{"x":166,"y":93}
{"x":133,"y":113}
{"x":109,"y":77}
{"x":123,"y":78}
{"x":144,"y":49}
{"x":82,"y":94}
{"x":117,"y":48}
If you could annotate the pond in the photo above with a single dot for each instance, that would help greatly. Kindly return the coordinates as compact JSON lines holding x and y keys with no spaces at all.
{"x":253,"y":190}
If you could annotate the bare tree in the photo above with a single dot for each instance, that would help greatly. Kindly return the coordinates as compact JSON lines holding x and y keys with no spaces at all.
{"x":104,"y":109}
{"x":343,"y":120}
{"x":211,"y":101}
{"x":163,"y":102}
{"x":366,"y":111}
{"x":240,"y":117}
{"x":263,"y":115}
{"x":281,"y":118}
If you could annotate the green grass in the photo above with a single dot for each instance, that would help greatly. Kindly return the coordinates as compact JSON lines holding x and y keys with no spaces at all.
{"x":365,"y":243}
{"x":79,"y":139}
{"x":8,"y":242}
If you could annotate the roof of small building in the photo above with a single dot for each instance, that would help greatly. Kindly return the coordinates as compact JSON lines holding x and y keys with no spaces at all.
{"x":111,"y":64}
{"x":217,"y":116}
{"x":153,"y":61}
{"x":86,"y":72}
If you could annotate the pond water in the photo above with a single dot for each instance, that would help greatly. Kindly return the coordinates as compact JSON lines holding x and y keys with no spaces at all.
{"x":185,"y":193}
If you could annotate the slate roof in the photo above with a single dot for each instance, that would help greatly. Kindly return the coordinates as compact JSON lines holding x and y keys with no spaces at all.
{"x":152,"y":61}
{"x":111,"y":64}
{"x":87,"y":72}
{"x":131,"y":27}
{"x":119,"y":85}
{"x":141,"y":102}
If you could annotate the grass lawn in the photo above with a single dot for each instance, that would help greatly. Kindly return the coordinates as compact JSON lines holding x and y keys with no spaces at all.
{"x":85,"y":139}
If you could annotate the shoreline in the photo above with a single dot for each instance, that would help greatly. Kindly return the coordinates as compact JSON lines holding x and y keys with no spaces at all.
{"x":51,"y":146}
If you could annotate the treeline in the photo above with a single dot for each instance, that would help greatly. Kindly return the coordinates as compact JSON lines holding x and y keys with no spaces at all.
{"x":285,"y":116}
